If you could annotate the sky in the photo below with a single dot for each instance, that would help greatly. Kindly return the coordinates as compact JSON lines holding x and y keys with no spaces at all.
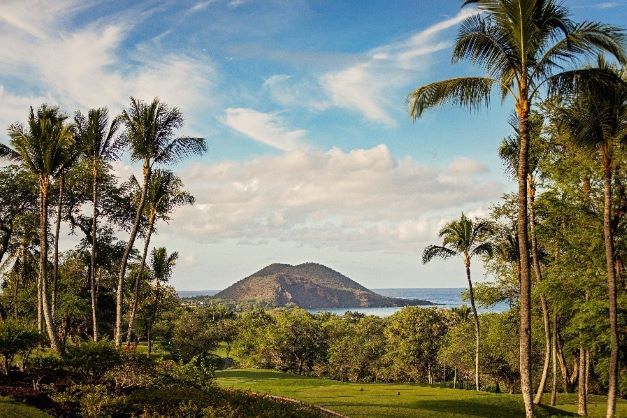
{"x":311,"y":154}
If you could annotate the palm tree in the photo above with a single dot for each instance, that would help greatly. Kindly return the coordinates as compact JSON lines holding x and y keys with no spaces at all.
{"x":41,"y":147}
{"x":467,"y":238}
{"x":99,"y":145}
{"x":508,"y":151}
{"x":162,"y":266}
{"x":150,"y":132}
{"x":523,"y":45}
{"x":69,"y":158}
{"x":596,"y":120}
{"x":165,"y":193}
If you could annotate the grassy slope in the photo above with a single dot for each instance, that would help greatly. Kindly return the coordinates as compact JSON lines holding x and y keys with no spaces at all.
{"x":383,"y":400}
{"x":11,"y":409}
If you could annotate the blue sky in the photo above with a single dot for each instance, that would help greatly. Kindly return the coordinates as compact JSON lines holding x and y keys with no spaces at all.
{"x":312,"y":156}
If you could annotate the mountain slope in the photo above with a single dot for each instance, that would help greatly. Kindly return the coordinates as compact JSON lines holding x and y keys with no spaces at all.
{"x":307,"y":285}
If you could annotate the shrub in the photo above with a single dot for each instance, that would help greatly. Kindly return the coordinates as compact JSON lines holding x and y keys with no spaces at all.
{"x":90,"y":360}
{"x":43,"y":366}
{"x":91,"y":401}
{"x":199,"y":371}
{"x":135,"y":371}
{"x":16,"y":337}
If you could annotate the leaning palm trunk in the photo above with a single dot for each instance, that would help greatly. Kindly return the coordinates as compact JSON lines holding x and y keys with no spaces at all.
{"x":119,"y":300}
{"x":55,"y":267}
{"x":611,"y":278}
{"x":476,"y":318}
{"x":522,"y":109}
{"x":543,"y":303}
{"x":44,"y":188}
{"x":94,"y":243}
{"x":131,"y":318}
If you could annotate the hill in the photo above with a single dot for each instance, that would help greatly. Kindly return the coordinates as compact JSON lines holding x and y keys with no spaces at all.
{"x":308,"y":285}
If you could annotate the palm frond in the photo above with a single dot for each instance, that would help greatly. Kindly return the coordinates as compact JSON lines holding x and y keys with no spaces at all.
{"x":469,"y":92}
{"x":486,"y":248}
{"x":8,"y":153}
{"x":481,"y":42}
{"x":433,"y":251}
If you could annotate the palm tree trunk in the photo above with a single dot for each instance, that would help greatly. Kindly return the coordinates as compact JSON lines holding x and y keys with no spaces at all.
{"x":582,"y":401}
{"x":475,"y":317}
{"x":44,"y":188}
{"x":40,"y":317}
{"x":543,"y":303}
{"x":119,"y":297}
{"x":94,"y":243}
{"x":131,"y":318}
{"x":611,"y":278}
{"x":55,"y":267}
{"x":554,"y":361}
{"x":522,"y":109}
{"x":154,"y":315}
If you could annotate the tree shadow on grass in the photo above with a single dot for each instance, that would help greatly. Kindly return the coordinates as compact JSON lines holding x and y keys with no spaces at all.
{"x":471,"y":408}
{"x":486,"y":408}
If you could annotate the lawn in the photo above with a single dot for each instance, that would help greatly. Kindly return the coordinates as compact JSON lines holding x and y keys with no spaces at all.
{"x":12,"y":409}
{"x":397,"y":400}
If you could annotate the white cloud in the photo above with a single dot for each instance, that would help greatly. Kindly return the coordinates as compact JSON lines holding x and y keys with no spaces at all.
{"x":362,"y":200}
{"x":83,"y":66}
{"x":266,"y":128}
{"x":368,"y":86}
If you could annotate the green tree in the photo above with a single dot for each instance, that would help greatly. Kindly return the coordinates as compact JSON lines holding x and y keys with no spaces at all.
{"x":467,"y":238}
{"x":41,"y":147}
{"x":99,"y":145}
{"x":414,"y":336}
{"x":522,"y":45}
{"x":150,"y":130}
{"x":596,"y":119}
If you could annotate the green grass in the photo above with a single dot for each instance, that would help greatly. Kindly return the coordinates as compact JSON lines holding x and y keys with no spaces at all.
{"x":383,"y":400}
{"x":12,"y":409}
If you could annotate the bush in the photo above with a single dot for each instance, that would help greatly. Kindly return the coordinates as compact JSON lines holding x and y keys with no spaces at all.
{"x":136,"y":371}
{"x":16,"y":337}
{"x":90,"y":360}
{"x":43,"y":367}
{"x":92,"y":401}
{"x":199,"y":371}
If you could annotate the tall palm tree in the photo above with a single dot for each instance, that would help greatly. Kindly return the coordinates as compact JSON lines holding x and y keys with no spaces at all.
{"x":99,"y":145}
{"x":165,"y":193}
{"x":41,"y":147}
{"x":150,"y":129}
{"x":523,"y":45}
{"x":508,"y":151}
{"x":162,"y":266}
{"x":467,"y":238}
{"x":69,"y":158}
{"x":596,"y":119}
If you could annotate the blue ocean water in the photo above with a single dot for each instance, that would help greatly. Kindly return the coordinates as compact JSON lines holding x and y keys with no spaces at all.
{"x":448,"y":297}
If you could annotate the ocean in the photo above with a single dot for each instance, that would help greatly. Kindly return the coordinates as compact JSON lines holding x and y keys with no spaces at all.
{"x":448,"y":297}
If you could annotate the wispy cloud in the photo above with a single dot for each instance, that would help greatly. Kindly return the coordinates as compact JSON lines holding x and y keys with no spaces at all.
{"x":83,"y":66}
{"x":606,"y":5}
{"x":266,"y":128}
{"x":369,"y":86}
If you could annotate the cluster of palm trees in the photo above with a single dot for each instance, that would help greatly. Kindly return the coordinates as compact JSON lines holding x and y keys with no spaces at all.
{"x":530,"y":50}
{"x":49,"y":145}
